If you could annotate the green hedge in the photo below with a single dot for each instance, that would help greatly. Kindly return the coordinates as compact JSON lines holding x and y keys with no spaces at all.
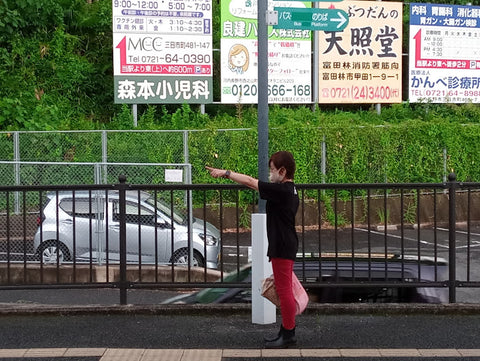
{"x":397,"y":153}
{"x":403,"y":144}
{"x":361,"y":147}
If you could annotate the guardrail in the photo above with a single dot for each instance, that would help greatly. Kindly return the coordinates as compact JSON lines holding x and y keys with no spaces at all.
{"x":357,"y":242}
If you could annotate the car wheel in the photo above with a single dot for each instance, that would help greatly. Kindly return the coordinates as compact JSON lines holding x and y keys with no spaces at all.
{"x":50,"y":250}
{"x":180,"y":257}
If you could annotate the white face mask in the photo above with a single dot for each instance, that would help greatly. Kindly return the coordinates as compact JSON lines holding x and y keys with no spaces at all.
{"x":275,"y":176}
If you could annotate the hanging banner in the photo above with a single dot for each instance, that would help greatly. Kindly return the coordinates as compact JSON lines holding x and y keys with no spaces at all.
{"x":362,"y":63}
{"x":444,"y":53}
{"x":289,"y":56}
{"x":162,"y":51}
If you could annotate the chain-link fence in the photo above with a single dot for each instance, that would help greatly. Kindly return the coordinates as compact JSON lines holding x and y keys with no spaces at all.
{"x":67,"y":155}
{"x":319,"y":160}
{"x":62,"y":173}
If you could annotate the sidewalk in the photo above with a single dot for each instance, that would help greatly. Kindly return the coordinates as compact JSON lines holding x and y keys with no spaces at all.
{"x":236,"y":354}
{"x":225,"y":333}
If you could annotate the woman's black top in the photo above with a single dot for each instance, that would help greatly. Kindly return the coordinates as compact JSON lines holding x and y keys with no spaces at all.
{"x":281,"y":208}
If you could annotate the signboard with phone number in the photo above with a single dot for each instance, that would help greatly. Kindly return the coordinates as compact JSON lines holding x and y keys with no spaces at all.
{"x":162,"y":51}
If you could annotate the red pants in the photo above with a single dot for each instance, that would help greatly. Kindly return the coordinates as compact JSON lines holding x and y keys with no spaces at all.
{"x":282,"y":272}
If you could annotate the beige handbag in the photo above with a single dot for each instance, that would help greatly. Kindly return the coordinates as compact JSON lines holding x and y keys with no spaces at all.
{"x":269,"y":291}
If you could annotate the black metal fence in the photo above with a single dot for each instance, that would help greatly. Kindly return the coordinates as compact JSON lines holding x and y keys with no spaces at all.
{"x":357,"y":242}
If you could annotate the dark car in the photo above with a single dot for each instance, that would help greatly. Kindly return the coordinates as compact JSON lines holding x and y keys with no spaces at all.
{"x":342,"y":278}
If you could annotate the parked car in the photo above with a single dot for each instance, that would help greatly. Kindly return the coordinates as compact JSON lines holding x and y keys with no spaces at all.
{"x":85,"y":225}
{"x":355,"y":272}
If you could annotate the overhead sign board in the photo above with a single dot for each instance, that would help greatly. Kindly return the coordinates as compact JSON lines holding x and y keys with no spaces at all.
{"x":363,"y":63}
{"x":311,"y":19}
{"x":289,"y":56}
{"x":444,"y":53}
{"x":162,"y":51}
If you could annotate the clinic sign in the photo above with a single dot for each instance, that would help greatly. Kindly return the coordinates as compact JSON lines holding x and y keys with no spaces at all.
{"x":444,"y":53}
{"x":162,"y":51}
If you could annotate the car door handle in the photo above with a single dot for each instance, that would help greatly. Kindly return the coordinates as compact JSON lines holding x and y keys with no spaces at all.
{"x":67,"y":221}
{"x":115,"y":228}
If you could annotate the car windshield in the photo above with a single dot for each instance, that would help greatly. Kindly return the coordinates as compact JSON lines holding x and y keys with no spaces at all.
{"x":166,"y":210}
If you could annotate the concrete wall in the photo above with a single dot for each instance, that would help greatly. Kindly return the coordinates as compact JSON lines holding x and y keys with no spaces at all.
{"x":35,"y":274}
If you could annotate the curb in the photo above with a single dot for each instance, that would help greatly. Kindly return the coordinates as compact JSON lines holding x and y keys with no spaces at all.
{"x":218,"y":309}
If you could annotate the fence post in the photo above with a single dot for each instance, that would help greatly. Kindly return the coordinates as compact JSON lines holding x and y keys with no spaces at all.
{"x":186,"y":153}
{"x":16,"y":160}
{"x":324,"y":160}
{"x":104,"y":156}
{"x":452,"y":275}
{"x":123,"y":239}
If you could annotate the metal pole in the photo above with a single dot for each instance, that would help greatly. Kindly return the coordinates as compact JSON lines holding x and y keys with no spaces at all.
{"x":262,"y":97}
{"x":261,"y":311}
{"x":452,"y":278}
{"x":444,"y":164}
{"x":186,"y":154}
{"x":135,"y":115}
{"x":316,"y":70}
{"x":105,"y":156}
{"x":16,"y":159}
{"x":188,"y":180}
{"x":123,"y":239}
{"x":323,"y":164}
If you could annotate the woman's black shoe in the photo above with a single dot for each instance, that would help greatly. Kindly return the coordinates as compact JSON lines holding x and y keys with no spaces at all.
{"x":285,"y":339}
{"x":273,"y":338}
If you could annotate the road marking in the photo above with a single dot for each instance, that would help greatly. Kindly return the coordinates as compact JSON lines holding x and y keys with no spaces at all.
{"x":400,"y":237}
{"x":114,"y":354}
{"x":461,"y":232}
{"x":235,"y":254}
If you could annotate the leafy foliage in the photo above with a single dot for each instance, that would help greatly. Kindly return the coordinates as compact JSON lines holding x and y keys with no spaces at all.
{"x":55,"y":64}
{"x":56,"y":71}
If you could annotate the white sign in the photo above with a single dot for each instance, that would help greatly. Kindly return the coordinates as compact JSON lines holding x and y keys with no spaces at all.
{"x":444,"y":53}
{"x":162,"y":51}
{"x":363,"y":62}
{"x":173,"y":175}
{"x":289,"y":57}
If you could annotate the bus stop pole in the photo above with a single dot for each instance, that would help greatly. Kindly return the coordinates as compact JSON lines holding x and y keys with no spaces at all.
{"x":263,"y":311}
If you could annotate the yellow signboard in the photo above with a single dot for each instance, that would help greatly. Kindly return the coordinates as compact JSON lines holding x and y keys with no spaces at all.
{"x":362,"y":63}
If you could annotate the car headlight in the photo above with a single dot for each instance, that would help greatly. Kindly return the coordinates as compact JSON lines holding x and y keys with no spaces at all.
{"x":208,"y":239}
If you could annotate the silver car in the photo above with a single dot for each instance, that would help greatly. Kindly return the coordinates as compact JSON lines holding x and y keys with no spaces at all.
{"x":85,"y":225}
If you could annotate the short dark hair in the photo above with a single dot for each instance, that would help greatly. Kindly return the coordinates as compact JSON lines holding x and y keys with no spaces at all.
{"x":284,"y":159}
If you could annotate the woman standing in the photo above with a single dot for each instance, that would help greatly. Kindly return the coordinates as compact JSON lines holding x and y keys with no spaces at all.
{"x":281,"y":208}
